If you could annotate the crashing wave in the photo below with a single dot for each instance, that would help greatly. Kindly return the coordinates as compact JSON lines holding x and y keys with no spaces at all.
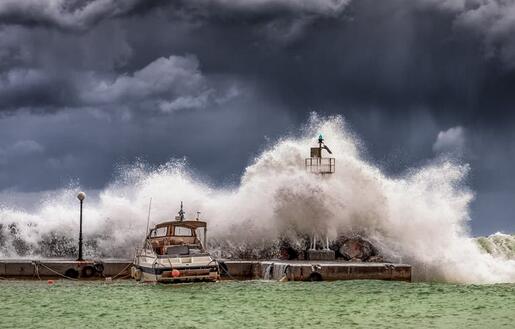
{"x":420,"y":217}
{"x":499,"y":245}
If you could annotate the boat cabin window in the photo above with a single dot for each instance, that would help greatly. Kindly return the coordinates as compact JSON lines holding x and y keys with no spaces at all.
{"x":158,"y":232}
{"x":182,"y":231}
{"x":177,"y":250}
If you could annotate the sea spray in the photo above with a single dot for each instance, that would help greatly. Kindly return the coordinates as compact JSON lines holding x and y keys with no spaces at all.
{"x":419,"y":218}
{"x":498,"y":244}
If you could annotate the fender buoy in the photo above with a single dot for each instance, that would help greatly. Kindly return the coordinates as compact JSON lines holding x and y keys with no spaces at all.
{"x":137,"y":274}
{"x":176,"y":273}
{"x":315,"y":276}
{"x":87,"y":272}
{"x":99,"y":268}
{"x":50,"y":282}
{"x":72,"y":273}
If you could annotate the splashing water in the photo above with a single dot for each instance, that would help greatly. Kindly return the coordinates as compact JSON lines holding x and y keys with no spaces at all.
{"x":498,"y":244}
{"x":419,"y":218}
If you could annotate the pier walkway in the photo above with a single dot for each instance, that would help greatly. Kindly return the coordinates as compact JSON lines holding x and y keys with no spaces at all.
{"x":230,"y":269}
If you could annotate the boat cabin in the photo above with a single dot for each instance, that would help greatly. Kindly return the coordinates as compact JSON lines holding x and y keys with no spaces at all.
{"x":178,"y":237}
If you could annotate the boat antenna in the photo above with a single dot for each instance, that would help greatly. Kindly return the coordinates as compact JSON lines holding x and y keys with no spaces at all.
{"x":148,"y":217}
{"x":181,"y":214}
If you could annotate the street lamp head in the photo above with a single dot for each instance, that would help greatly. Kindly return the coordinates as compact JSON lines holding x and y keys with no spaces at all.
{"x":81,"y":196}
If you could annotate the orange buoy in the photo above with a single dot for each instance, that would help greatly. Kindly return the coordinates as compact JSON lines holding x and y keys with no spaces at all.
{"x":176,"y":273}
{"x":50,"y":282}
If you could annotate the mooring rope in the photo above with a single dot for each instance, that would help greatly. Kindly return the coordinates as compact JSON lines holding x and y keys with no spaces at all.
{"x":36,"y":270}
{"x":59,"y":274}
{"x":125,"y":268}
{"x":36,"y":265}
{"x":226,"y":271}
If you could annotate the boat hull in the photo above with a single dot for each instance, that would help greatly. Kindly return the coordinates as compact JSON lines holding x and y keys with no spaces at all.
{"x":150,"y":268}
{"x":179,"y":274}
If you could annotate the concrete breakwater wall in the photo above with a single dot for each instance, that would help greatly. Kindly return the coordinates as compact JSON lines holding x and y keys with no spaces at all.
{"x":316,"y":271}
{"x":55,"y":268}
{"x":230,"y":269}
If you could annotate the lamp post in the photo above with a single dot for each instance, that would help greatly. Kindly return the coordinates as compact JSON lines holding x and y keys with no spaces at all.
{"x":81,"y":196}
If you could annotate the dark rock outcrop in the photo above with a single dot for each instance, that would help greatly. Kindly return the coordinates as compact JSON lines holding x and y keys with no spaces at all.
{"x":355,"y":248}
{"x":351,"y":248}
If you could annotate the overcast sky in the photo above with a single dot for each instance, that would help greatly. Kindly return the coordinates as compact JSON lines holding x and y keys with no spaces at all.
{"x":87,"y":85}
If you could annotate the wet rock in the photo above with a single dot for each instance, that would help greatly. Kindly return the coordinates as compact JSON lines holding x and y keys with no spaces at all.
{"x":289,"y":250}
{"x":17,"y":244}
{"x":354,"y":248}
{"x":376,"y":259}
{"x":13,"y":229}
{"x":228,"y":250}
{"x":2,"y":237}
{"x":21,"y":247}
{"x":57,"y":245}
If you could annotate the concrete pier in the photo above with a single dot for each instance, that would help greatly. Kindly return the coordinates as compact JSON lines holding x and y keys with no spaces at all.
{"x":230,"y":270}
{"x":315,"y":271}
{"x":55,"y":268}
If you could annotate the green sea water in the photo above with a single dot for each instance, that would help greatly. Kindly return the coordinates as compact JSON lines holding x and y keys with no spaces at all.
{"x":255,"y":304}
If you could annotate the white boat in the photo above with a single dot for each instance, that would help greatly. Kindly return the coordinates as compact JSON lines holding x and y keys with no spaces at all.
{"x":173,"y":252}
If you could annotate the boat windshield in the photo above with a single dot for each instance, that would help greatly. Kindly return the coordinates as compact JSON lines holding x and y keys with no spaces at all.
{"x":158,"y":232}
{"x":182,"y":231}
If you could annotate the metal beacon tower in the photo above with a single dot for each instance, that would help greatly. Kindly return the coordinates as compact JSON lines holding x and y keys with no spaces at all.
{"x":319,"y":165}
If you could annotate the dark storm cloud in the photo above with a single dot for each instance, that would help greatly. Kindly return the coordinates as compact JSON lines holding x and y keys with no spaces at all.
{"x":492,"y":20}
{"x":83,"y":14}
{"x":88,"y":84}
{"x":64,"y":14}
{"x":87,"y":145}
{"x":393,"y":54}
{"x":447,"y":55}
{"x":167,"y":84}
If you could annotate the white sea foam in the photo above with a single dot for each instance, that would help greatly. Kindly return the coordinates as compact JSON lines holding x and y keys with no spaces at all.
{"x":499,"y":244}
{"x":419,"y":218}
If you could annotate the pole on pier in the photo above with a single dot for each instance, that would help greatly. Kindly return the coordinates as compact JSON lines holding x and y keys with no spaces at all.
{"x":81,"y":196}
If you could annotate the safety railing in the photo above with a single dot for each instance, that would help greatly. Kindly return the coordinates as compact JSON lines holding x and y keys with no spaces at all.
{"x":320,"y":165}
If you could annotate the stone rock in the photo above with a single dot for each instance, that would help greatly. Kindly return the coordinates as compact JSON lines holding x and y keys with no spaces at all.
{"x":354,"y":248}
{"x":289,"y":250}
{"x":356,"y":260}
{"x":376,"y":259}
{"x":351,"y":248}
